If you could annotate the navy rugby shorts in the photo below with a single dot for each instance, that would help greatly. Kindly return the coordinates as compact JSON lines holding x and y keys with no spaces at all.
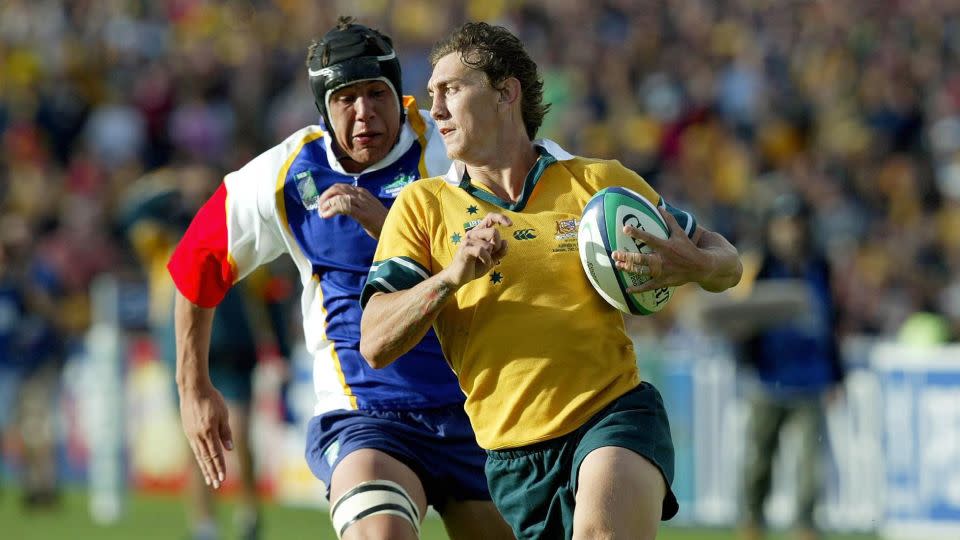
{"x":437,"y":444}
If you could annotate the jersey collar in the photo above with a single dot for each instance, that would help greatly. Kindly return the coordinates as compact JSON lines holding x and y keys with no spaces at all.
{"x":458,"y":169}
{"x":549,"y":151}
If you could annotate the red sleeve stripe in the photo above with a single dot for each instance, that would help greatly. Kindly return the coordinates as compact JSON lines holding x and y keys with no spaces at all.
{"x":200,"y":265}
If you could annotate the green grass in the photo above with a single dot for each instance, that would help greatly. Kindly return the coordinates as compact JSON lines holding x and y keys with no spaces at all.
{"x":162,"y":518}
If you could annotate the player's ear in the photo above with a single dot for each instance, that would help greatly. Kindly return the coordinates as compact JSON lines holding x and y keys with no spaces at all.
{"x":509,"y":91}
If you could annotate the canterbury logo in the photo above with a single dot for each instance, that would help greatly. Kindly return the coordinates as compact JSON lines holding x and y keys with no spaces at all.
{"x":525,"y":234}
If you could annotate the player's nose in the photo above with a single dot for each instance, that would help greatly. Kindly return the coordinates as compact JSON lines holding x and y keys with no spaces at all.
{"x":438,"y":109}
{"x":364,"y":108}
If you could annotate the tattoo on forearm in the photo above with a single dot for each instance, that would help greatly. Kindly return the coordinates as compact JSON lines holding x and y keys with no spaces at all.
{"x":434,"y":297}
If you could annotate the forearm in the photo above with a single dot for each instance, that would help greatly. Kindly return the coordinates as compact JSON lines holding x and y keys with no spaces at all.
{"x":193,"y":327}
{"x":725,"y":268}
{"x":373,"y":225}
{"x":393,"y":323}
{"x":372,"y":221}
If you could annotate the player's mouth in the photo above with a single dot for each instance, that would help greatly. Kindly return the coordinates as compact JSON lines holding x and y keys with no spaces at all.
{"x":445,"y":130}
{"x":365,"y":138}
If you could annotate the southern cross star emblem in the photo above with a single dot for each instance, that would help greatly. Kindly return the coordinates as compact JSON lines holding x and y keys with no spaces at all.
{"x":496,"y":277}
{"x":472,"y":209}
{"x":455,"y":238}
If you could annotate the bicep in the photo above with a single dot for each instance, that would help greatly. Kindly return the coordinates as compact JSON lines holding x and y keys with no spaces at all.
{"x":200,"y":265}
{"x":255,"y":234}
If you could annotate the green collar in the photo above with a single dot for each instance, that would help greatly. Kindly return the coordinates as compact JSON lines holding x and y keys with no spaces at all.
{"x":544,"y":161}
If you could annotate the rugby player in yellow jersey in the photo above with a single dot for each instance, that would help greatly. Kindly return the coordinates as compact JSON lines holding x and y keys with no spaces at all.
{"x":578,"y":446}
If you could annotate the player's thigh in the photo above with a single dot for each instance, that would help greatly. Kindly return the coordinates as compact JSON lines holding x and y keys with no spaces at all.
{"x":367,"y":465}
{"x":619,"y":495}
{"x":474,"y":520}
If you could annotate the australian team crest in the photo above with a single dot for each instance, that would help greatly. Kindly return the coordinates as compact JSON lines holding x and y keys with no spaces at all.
{"x":566,"y":229}
{"x":391,"y":190}
{"x":307,"y":188}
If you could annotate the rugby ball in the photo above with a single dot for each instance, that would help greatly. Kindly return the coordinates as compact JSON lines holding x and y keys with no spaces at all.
{"x":601,"y":233}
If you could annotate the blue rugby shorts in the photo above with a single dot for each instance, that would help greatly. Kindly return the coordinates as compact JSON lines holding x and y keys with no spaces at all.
{"x":437,"y":444}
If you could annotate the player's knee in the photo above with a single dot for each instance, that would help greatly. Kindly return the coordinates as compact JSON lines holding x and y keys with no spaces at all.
{"x":376,"y":509}
{"x":380,"y":527}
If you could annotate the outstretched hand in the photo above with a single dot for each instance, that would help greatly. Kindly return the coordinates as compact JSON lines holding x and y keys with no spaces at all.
{"x":674,"y":261}
{"x":204,"y":416}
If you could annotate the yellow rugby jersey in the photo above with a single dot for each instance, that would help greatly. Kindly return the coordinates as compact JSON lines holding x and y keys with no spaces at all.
{"x":536,"y":349}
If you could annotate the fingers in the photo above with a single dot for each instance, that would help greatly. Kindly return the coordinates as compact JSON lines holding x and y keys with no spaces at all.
{"x":481,"y":251}
{"x":226,"y":435}
{"x":645,"y":264}
{"x":494,"y":248}
{"x":329,"y":194}
{"x":643,"y":236}
{"x":218,"y":464}
{"x":335,"y":190}
{"x":490,"y":238}
{"x":489,"y":235}
{"x":486,"y":229}
{"x":343,"y":199}
{"x":649,"y":265}
{"x":201,"y":461}
{"x":500,"y":251}
{"x":339,"y":204}
{"x":482,"y":247}
{"x":206,"y":450}
{"x":206,"y":425}
{"x":494,"y":218}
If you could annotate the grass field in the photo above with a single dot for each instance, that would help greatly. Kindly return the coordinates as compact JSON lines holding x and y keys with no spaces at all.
{"x":157,"y":517}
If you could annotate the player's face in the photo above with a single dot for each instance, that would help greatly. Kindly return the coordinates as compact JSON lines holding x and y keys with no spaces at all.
{"x":465,"y":109}
{"x":366,"y":121}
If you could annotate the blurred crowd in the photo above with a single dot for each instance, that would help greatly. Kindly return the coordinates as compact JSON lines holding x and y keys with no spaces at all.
{"x":721,"y":105}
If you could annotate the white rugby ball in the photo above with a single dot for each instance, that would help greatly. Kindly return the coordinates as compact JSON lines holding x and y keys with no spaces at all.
{"x":601,"y":233}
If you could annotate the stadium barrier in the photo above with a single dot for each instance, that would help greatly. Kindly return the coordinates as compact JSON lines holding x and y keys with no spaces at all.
{"x":892,"y":445}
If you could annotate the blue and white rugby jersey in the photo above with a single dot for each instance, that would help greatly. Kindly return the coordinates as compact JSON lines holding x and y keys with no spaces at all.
{"x":269,"y":207}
